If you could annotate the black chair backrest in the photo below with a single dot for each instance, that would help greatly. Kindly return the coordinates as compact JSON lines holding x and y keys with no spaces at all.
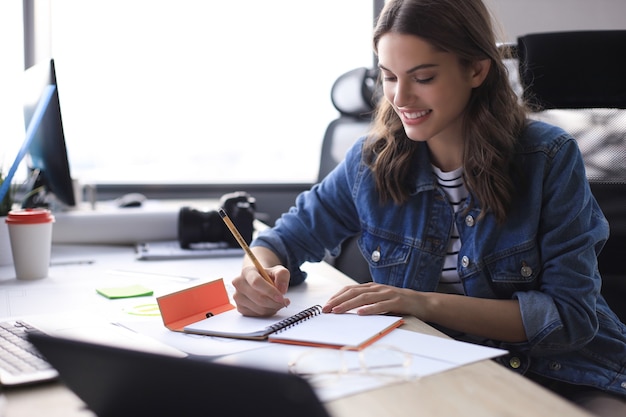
{"x":574,"y":70}
{"x":354,"y":95}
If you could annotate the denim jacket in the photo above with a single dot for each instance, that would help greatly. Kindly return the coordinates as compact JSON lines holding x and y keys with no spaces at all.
{"x":544,"y":255}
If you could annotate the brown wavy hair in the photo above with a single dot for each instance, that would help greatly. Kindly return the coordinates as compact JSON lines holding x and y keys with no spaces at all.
{"x":494,"y":116}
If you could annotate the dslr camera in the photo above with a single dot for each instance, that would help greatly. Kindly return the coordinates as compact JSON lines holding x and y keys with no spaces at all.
{"x":195,"y":226}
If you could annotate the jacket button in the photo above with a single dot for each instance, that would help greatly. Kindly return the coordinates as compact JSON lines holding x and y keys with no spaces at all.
{"x":465,"y":261}
{"x":469,"y":220}
{"x":515,"y":362}
{"x":526,"y":271}
{"x":375,"y":256}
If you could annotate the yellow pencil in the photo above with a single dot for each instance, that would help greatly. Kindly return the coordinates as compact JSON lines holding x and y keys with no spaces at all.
{"x":244,"y":245}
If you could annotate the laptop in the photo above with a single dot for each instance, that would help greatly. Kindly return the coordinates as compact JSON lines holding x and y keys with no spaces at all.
{"x":119,"y":382}
{"x":21,"y":363}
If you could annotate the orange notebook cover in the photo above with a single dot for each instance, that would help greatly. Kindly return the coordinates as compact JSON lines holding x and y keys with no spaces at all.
{"x":190,"y":305}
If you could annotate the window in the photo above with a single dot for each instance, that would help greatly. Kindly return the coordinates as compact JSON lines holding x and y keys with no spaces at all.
{"x":196,"y":91}
{"x":12,"y":56}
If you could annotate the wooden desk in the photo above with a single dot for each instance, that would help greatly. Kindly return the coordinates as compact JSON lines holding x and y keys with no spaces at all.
{"x":480,"y":389}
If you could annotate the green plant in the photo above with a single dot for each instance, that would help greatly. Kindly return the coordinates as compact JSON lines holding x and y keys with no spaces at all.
{"x":7,"y":202}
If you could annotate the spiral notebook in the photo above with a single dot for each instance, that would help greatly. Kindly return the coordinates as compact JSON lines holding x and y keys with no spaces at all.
{"x":206,"y":310}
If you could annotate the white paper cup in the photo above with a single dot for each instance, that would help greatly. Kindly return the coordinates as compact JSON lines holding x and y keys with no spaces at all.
{"x":30,"y":231}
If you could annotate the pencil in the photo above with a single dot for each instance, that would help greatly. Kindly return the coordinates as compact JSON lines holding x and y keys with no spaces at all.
{"x":244,"y":245}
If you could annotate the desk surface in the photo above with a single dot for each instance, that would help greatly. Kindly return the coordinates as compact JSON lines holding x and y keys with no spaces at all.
{"x":479,"y":389}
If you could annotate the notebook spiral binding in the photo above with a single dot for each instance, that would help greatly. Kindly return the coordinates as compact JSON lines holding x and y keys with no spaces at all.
{"x":296,"y":318}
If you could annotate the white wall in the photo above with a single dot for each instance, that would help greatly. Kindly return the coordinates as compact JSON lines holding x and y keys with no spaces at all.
{"x":520,"y":17}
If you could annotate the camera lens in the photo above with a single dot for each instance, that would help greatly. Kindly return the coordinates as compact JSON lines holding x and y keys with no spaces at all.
{"x":196,"y":226}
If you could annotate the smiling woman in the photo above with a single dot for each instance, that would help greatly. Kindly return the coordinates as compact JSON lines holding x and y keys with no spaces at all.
{"x":202,"y":92}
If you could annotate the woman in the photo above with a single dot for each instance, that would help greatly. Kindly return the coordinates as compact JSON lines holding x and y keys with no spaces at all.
{"x":472,"y":217}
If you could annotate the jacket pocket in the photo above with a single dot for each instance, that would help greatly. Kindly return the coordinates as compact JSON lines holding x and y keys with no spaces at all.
{"x":380,"y":251}
{"x":515,"y":269}
{"x":387,"y":258}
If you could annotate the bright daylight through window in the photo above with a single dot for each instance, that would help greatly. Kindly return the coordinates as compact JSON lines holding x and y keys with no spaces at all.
{"x":202,"y":91}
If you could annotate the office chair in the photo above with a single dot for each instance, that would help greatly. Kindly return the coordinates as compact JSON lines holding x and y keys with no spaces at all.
{"x":353,"y":94}
{"x":576,"y":80}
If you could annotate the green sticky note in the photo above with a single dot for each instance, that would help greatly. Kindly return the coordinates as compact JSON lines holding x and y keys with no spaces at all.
{"x":125,"y":292}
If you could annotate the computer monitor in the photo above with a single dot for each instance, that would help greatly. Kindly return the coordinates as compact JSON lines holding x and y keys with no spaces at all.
{"x":48,"y":162}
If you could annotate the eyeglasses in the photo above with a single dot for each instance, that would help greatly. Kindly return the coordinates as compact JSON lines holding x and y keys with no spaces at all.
{"x":322,"y":367}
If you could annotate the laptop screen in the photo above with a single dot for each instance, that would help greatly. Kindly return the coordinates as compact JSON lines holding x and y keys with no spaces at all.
{"x":115,"y":382}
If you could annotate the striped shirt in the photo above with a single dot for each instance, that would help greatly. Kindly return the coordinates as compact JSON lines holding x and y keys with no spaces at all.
{"x":454,"y":187}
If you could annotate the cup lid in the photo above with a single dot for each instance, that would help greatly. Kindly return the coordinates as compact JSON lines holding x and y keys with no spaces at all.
{"x":30,"y":216}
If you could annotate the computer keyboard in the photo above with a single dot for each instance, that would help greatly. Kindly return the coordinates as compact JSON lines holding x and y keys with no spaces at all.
{"x":20,"y":362}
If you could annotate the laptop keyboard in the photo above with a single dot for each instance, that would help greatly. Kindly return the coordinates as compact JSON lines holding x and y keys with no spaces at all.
{"x":20,"y":362}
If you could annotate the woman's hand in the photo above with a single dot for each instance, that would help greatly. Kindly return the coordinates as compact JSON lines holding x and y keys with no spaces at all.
{"x":372,"y":298}
{"x":490,"y":318}
{"x":254,"y":296}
